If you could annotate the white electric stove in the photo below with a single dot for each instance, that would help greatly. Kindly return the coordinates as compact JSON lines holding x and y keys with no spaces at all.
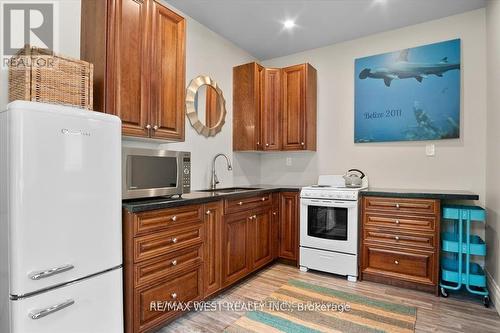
{"x":329,"y":226}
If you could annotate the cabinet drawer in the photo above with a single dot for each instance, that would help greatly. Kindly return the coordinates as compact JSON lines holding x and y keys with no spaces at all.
{"x":156,"y":220}
{"x":413,"y":266}
{"x":425,"y":241}
{"x":400,"y":222}
{"x":167,"y":265}
{"x":151,"y":246}
{"x":395,"y":205}
{"x":182,"y":288}
{"x":238,"y":205}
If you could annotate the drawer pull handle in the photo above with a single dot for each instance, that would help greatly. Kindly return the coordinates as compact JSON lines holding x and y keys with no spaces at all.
{"x":267,"y":144}
{"x":397,"y":222}
{"x":208,"y":212}
{"x":264,"y":199}
{"x":254,"y":217}
{"x":250,"y":217}
{"x":274,"y":213}
{"x":240,"y":203}
{"x":396,"y":238}
{"x":174,"y":218}
{"x":174,"y":240}
{"x":174,"y":262}
{"x":396,"y":262}
{"x":174,"y":295}
{"x":398,"y":206}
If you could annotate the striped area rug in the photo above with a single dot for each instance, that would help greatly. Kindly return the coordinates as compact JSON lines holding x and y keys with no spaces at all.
{"x":365,"y":314}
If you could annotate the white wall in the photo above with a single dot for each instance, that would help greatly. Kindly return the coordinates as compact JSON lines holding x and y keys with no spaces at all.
{"x":493,"y":148}
{"x":208,"y":53}
{"x":458,"y":164}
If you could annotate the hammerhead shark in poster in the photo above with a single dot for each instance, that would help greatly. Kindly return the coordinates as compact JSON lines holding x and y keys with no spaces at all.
{"x":409,"y":95}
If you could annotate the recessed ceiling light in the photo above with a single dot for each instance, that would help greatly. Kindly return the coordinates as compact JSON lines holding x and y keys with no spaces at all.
{"x":380,"y":1}
{"x":289,"y":24}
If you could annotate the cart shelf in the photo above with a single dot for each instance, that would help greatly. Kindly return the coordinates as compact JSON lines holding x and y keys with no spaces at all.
{"x":450,"y":243}
{"x":449,"y":273}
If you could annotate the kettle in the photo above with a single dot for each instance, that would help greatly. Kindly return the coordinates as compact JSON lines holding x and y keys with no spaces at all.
{"x":354,"y":178}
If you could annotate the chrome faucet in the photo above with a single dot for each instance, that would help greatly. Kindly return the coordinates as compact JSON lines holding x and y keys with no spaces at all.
{"x":215,"y":180}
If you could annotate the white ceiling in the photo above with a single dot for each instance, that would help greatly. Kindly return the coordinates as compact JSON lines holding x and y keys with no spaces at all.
{"x":256,"y":25}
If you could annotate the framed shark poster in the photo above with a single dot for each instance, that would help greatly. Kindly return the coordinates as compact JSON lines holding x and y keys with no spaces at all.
{"x":409,"y":95}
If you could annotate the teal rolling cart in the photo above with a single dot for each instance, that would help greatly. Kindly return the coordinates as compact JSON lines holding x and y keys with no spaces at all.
{"x":457,"y":269}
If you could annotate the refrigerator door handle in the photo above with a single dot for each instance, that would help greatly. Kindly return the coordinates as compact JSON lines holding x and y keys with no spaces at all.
{"x":49,"y":272}
{"x":50,"y":310}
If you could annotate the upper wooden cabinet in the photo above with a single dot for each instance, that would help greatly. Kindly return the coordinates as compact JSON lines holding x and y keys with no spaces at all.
{"x":299,"y":107}
{"x":274,"y":109}
{"x":138,"y":51}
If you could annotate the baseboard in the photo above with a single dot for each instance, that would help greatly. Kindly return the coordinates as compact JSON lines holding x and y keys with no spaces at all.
{"x":494,"y":291}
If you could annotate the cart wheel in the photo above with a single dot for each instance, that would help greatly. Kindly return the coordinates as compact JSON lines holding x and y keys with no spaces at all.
{"x":443,"y":292}
{"x":486,"y":301}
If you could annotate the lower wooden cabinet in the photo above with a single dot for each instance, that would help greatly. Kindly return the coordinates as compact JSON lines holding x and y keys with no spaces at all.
{"x":235,"y":254}
{"x":213,"y":248}
{"x":400,"y":242}
{"x":289,"y":226}
{"x":261,"y":233}
{"x":193,"y":252}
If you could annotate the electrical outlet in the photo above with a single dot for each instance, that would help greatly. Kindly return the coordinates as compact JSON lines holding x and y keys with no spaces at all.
{"x":430,"y":150}
{"x":288,"y":161}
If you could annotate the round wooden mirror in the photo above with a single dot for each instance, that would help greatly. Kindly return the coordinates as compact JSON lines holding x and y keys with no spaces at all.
{"x":205,"y":106}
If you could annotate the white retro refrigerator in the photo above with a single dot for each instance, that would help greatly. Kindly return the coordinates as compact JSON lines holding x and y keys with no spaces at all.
{"x":60,"y":227}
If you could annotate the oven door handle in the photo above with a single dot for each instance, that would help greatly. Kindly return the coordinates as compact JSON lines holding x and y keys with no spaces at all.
{"x":329,"y":203}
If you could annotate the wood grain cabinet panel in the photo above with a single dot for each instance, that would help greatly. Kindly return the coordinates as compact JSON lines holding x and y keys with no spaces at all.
{"x":138,"y":51}
{"x":261,"y":233}
{"x":168,"y":74}
{"x":157,"y":220}
{"x":274,"y":109}
{"x":289,"y":226}
{"x":247,"y":203}
{"x":182,"y":288}
{"x":213,"y":248}
{"x":235,"y":255}
{"x":400,"y":242}
{"x":271,"y":110}
{"x":299,"y":107}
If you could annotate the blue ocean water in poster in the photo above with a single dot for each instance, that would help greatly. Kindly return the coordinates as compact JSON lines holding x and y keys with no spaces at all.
{"x":409,"y":95}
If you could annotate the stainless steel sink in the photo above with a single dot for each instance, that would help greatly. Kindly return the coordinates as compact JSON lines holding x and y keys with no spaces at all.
{"x":230,"y":189}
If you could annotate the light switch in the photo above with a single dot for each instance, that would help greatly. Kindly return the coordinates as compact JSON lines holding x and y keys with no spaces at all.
{"x":430,"y":150}
{"x":288,"y":161}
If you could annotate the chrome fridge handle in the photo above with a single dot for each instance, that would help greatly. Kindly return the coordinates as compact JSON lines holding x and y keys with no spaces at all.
{"x":37,"y":314}
{"x":49,"y":272}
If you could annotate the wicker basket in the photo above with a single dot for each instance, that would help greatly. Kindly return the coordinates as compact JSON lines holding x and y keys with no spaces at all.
{"x":41,"y":76}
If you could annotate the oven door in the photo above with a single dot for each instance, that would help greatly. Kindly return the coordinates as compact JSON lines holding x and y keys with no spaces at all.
{"x":151,"y":173}
{"x":329,"y":225}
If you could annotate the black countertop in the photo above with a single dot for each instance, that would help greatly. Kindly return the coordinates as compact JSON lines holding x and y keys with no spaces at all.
{"x":196,"y":197}
{"x":423,"y":194}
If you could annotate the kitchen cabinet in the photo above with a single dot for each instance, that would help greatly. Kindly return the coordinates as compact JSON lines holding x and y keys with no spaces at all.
{"x":274,"y":109}
{"x":213,"y":248}
{"x":400,"y":242}
{"x":289,"y":226}
{"x":261,"y":233}
{"x":193,"y":252}
{"x":299,"y":107}
{"x":138,"y":51}
{"x":236,"y":253}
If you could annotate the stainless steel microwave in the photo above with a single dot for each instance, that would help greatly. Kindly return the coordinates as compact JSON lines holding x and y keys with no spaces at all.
{"x":153,"y":172}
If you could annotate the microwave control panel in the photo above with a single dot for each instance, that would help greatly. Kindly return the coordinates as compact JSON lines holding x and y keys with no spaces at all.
{"x":186,"y":175}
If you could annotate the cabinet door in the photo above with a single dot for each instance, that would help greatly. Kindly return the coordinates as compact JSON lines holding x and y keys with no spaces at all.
{"x":275,"y":231}
{"x":289,"y":224}
{"x":236,"y":259}
{"x":270,"y":122}
{"x":167,"y":74}
{"x":213,"y":249}
{"x":128,"y":65}
{"x":261,"y":231}
{"x":294,"y":107}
